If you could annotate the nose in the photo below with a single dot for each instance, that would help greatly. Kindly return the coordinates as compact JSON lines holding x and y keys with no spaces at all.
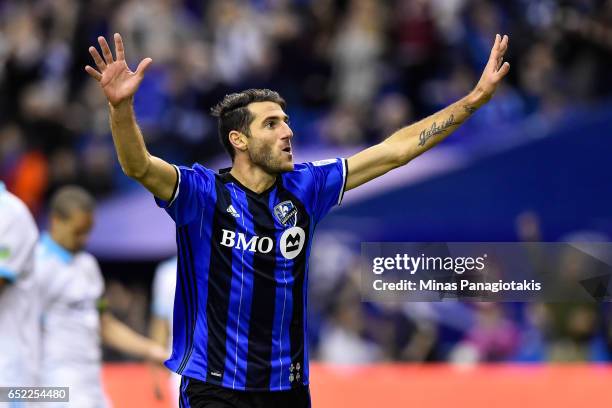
{"x":287,"y":132}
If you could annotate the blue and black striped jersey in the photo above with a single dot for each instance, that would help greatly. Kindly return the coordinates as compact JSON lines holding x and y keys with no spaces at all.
{"x":240,"y":302}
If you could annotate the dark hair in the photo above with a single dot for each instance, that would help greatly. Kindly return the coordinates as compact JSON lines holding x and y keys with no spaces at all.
{"x":69,"y":198}
{"x":233,"y":113}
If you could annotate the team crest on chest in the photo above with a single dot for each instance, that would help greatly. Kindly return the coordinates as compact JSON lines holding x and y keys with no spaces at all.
{"x":286,"y":213}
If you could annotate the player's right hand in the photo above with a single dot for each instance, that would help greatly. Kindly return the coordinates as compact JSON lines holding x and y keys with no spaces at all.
{"x":118,"y":82}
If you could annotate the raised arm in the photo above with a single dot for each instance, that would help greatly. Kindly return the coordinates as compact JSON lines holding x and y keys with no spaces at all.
{"x":411,"y":141}
{"x":119,"y":85}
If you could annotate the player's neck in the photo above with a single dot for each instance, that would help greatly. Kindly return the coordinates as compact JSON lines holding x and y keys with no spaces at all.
{"x":252,"y":177}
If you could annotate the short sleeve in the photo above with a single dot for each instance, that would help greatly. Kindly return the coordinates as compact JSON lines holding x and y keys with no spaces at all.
{"x":329,"y":178}
{"x":18,"y":236}
{"x":192,"y":191}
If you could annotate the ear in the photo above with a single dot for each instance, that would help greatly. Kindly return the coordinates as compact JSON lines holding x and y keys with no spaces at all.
{"x":238,"y":140}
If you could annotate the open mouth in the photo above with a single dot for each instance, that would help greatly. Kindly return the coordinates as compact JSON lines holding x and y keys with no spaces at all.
{"x":287,"y":149}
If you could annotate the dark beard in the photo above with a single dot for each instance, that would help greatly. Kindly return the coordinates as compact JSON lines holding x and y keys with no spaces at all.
{"x":263,"y":158}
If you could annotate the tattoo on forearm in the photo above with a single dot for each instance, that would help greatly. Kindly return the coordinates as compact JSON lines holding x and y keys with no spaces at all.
{"x":427,"y":134}
{"x":469,"y":109}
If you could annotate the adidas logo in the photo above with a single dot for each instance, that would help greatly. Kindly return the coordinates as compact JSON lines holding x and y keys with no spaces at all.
{"x":233,"y":211}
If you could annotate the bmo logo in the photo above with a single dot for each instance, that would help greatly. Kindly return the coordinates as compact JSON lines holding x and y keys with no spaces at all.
{"x":292,"y":242}
{"x":259,"y":244}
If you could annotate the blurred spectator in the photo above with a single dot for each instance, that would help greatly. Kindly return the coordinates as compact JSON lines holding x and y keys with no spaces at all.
{"x":494,"y":337}
{"x":356,"y":52}
{"x":572,"y":328}
{"x":416,"y":46}
{"x":562,"y":331}
{"x":240,"y":46}
{"x":343,"y":336}
{"x":392,"y":112}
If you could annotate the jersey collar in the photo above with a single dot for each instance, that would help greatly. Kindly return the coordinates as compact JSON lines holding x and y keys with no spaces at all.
{"x":227,"y":177}
{"x":55,"y":248}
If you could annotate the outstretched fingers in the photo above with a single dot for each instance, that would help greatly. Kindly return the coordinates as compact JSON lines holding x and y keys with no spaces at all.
{"x":93,"y":73}
{"x":502,"y":71}
{"x":499,"y":50}
{"x":143,"y":66}
{"x":494,"y":55}
{"x":97,"y":59}
{"x":503,"y":46}
{"x":496,"y":64}
{"x":106,"y":52}
{"x":119,"y":50}
{"x":496,"y":46}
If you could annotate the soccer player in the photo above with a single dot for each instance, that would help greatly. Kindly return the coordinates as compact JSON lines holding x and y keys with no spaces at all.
{"x":19,"y":331}
{"x":244,"y":235}
{"x":74,"y":318}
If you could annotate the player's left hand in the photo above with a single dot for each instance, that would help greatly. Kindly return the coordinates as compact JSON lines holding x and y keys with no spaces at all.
{"x":495,"y":70}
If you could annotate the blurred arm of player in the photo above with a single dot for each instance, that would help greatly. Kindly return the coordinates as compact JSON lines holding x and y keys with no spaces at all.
{"x":120,"y":84}
{"x":119,"y":336}
{"x":411,"y":141}
{"x":159,"y":330}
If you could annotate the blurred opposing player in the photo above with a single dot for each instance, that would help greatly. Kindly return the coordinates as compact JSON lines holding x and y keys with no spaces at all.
{"x":244,"y":235}
{"x":19,"y":331}
{"x":75,"y":321}
{"x":162,"y":306}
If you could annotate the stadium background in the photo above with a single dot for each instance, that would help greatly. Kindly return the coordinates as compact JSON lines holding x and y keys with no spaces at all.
{"x":532,"y":165}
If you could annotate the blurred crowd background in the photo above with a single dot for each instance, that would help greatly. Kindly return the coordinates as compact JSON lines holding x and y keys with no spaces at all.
{"x":352,"y":72}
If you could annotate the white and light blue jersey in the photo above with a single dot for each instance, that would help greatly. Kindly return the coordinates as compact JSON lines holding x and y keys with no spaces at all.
{"x":19,"y":308}
{"x":70,"y":286}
